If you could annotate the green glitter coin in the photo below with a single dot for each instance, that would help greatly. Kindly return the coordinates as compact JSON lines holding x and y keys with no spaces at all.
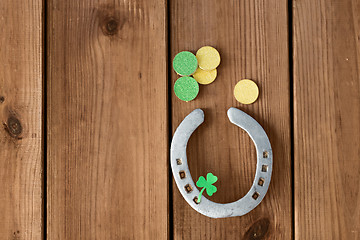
{"x":185,"y":63}
{"x":186,"y":88}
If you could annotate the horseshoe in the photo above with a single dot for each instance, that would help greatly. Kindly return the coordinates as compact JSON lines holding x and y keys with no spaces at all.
{"x":186,"y":184}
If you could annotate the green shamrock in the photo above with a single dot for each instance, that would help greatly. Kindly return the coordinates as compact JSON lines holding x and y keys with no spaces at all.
{"x":207,"y":184}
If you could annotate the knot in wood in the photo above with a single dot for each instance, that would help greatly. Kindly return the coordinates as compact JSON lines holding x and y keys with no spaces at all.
{"x":110,"y":26}
{"x":258,"y":230}
{"x":14,"y":126}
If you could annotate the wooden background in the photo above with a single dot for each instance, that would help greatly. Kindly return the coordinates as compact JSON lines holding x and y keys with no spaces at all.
{"x":87,"y":113}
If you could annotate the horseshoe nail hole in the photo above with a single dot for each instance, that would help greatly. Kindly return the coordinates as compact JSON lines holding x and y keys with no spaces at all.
{"x":196,"y":200}
{"x":261,"y":181}
{"x":264,"y":168}
{"x":265,"y":154}
{"x":182,"y":174}
{"x":188,"y":188}
{"x":178,"y":161}
{"x":255,"y":195}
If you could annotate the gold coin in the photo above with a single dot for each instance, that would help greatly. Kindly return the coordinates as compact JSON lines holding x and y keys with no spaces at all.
{"x":246,"y":91}
{"x":205,"y":77}
{"x":208,"y":58}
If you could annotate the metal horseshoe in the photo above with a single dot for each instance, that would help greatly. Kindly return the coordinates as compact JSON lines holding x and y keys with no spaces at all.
{"x":186,"y":184}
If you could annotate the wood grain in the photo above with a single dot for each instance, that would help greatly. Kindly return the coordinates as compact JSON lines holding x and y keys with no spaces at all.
{"x":327,"y":113}
{"x":21,"y":67}
{"x":252,"y":38}
{"x":107,"y":120}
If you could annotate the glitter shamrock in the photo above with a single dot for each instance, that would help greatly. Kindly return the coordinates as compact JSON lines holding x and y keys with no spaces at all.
{"x":207,"y":184}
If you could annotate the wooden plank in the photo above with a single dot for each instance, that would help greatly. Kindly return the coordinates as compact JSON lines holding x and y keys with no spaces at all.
{"x":107,"y":120}
{"x":252,"y":38}
{"x":327,"y":112}
{"x":21,"y":68}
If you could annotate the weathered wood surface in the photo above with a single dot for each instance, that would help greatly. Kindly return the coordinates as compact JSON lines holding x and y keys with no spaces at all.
{"x":21,"y":151}
{"x":252,"y":38}
{"x":107,"y":120}
{"x":326,"y":119}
